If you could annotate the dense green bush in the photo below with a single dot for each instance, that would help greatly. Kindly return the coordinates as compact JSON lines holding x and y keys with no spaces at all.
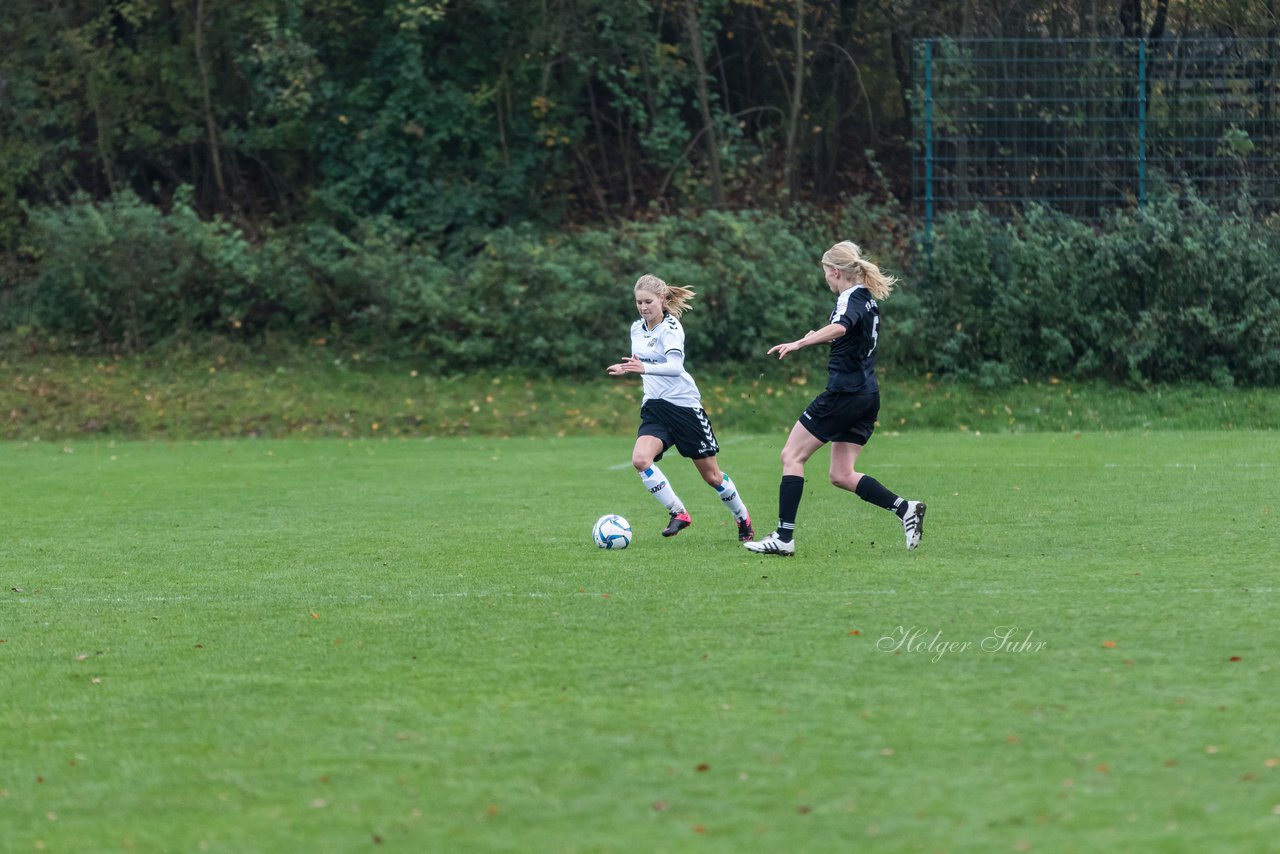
{"x":564,"y":303}
{"x":1176,"y":292}
{"x":123,"y":276}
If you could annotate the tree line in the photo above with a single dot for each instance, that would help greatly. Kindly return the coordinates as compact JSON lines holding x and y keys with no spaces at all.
{"x":450,"y":118}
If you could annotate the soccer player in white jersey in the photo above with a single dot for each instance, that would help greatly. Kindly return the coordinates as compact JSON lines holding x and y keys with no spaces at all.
{"x":671,"y":412}
{"x":845,"y":413}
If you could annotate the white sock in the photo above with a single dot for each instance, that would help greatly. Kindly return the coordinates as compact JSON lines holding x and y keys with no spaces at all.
{"x":729,"y":495}
{"x":658,"y":487}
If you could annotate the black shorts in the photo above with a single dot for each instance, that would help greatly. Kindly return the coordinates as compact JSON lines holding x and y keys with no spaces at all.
{"x":836,"y":416}
{"x":683,"y":426}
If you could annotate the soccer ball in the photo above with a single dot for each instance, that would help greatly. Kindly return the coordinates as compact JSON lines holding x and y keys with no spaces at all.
{"x":611,"y":532}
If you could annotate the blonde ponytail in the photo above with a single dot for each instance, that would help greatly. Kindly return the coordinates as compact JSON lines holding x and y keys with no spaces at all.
{"x":675,"y":299}
{"x":847,"y":257}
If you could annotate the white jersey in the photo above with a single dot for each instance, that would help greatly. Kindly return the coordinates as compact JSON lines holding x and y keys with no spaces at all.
{"x":655,"y":347}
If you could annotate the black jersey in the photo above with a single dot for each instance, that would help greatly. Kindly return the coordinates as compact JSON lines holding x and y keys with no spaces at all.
{"x":852,"y":366}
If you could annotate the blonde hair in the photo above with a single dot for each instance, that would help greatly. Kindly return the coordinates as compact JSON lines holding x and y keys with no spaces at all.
{"x":846,"y":257}
{"x":675,"y":299}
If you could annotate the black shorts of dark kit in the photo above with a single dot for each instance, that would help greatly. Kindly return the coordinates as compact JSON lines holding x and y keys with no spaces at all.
{"x":685,"y":427}
{"x":836,"y":416}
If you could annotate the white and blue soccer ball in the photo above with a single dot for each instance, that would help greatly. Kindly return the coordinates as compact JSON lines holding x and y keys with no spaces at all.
{"x":611,"y":532}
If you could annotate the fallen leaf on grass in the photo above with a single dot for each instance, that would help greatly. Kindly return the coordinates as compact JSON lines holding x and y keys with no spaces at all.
{"x":1109,"y":644}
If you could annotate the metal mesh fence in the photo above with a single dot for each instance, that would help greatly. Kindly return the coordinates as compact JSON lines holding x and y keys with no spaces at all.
{"x":1085,"y":126}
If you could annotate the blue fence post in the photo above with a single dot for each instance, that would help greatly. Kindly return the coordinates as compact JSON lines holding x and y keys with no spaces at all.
{"x":928,"y":147}
{"x":1142,"y":124}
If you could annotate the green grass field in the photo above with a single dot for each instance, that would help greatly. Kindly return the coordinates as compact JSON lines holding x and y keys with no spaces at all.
{"x":324,"y":395}
{"x":327,"y":645}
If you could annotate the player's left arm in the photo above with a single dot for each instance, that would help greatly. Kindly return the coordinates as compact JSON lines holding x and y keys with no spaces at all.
{"x":825,"y":335}
{"x":671,"y":366}
{"x":672,"y":348}
{"x":630,"y":365}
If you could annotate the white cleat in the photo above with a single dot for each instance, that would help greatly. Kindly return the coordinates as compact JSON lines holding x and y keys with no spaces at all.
{"x":913,"y":523}
{"x":771,"y":545}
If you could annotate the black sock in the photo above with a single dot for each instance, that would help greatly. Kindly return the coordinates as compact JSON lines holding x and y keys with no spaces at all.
{"x":789,"y":493}
{"x":871,"y":490}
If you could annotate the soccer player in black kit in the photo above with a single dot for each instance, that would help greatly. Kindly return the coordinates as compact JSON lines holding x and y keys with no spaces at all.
{"x":844,"y":415}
